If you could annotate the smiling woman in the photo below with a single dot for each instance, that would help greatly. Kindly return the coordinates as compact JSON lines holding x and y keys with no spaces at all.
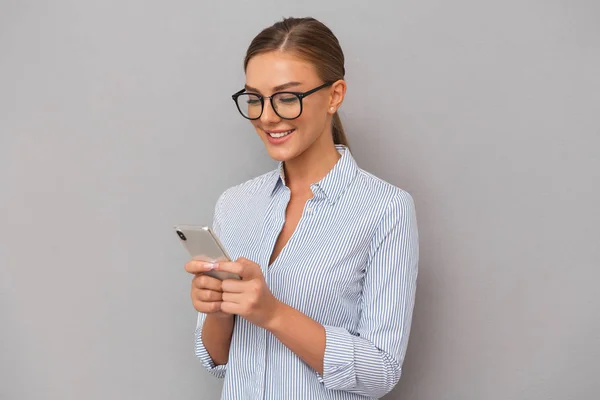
{"x":327,"y":253}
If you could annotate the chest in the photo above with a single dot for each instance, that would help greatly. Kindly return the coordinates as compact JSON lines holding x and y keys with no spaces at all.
{"x":313,"y":253}
{"x":293,"y":214}
{"x":317,"y":256}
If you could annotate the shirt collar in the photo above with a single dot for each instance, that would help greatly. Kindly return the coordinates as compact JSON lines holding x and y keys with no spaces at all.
{"x":334,"y":183}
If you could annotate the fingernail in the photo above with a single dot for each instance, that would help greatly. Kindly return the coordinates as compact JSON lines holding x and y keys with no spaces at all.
{"x":215,"y":266}
{"x":209,"y":266}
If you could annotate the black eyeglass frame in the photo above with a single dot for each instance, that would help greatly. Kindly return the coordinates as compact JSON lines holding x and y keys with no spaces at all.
{"x":300,"y":95}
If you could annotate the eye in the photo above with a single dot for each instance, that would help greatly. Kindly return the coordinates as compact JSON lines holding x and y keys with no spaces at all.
{"x":287,"y":99}
{"x":253,"y":102}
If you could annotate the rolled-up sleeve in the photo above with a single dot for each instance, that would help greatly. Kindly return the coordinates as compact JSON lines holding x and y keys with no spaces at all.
{"x":369,"y":361}
{"x":201,"y":352}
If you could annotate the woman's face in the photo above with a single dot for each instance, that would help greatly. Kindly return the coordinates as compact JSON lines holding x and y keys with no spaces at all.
{"x":275,"y":71}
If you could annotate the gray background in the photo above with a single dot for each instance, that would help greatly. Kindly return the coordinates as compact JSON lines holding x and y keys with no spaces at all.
{"x":116,"y":122}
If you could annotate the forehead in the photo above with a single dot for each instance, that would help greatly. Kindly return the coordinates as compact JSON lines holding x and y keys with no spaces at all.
{"x":267,"y":70}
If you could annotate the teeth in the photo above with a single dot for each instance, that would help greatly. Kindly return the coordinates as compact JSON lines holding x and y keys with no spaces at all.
{"x":281,"y":134}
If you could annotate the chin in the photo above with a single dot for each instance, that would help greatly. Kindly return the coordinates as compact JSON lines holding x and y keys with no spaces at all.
{"x":281,"y":153}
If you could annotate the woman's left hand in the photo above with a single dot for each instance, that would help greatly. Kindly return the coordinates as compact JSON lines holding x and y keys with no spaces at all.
{"x":250,"y":297}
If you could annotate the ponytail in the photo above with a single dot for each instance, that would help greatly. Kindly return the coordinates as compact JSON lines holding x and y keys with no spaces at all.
{"x":339,"y":136}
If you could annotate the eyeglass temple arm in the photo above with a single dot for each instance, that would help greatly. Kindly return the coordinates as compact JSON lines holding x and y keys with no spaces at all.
{"x":302,"y":95}
{"x":237,"y":93}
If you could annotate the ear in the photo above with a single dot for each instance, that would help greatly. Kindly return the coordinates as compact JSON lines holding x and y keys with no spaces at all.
{"x":338,"y":91}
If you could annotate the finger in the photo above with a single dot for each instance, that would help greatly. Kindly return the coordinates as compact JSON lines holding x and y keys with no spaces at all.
{"x":251,"y":269}
{"x":231,"y":266}
{"x":231,"y":308}
{"x":237,"y":298}
{"x":202,"y":281}
{"x":207,"y":307}
{"x":246,"y":269}
{"x":248,"y":263}
{"x":196,"y":267}
{"x":234,"y":286}
{"x":208,"y":295}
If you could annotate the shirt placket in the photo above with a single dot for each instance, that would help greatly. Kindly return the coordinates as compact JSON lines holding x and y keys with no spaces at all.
{"x":275,"y":221}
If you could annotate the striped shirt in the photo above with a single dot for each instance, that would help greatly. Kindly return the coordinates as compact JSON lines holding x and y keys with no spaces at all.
{"x":351,"y":265}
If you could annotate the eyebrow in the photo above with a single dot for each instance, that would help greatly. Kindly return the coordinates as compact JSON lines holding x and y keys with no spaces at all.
{"x":276,"y":88}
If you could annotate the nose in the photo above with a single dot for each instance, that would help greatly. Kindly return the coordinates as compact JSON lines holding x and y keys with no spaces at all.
{"x":269,"y":116}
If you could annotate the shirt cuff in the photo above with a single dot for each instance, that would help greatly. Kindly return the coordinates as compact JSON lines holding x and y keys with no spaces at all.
{"x":207,"y":361}
{"x":338,"y":362}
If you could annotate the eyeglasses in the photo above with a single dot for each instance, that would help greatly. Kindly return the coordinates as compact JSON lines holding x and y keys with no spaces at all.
{"x":287,"y":105}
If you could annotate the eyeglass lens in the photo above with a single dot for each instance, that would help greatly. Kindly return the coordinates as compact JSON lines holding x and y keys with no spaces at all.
{"x":286,"y":105}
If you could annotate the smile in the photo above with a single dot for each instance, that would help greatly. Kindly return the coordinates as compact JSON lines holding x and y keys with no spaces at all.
{"x":279,"y":134}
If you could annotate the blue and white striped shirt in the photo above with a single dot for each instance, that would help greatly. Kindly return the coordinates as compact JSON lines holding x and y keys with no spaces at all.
{"x":351,"y":265}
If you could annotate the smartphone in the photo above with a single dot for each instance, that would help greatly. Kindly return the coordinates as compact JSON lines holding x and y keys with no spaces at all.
{"x":202,"y":244}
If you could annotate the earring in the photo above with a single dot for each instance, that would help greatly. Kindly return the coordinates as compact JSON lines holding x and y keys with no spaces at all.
{"x":332,"y":108}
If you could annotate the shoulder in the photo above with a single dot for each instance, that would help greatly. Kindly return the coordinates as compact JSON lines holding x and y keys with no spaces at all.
{"x":245,"y":191}
{"x":395,"y":219}
{"x":390,"y":197}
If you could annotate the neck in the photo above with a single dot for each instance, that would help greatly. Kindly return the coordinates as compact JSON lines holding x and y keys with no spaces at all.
{"x":311,"y":166}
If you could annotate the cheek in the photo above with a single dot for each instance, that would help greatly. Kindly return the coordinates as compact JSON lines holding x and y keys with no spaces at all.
{"x":313,"y":118}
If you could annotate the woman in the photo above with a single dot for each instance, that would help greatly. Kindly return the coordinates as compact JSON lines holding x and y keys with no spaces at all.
{"x":327,"y":252}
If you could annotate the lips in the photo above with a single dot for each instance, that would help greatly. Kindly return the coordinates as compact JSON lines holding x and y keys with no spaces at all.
{"x":279,"y":133}
{"x":280,"y":136}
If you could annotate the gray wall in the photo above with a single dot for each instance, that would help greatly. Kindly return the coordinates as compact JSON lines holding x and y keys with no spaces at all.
{"x":116,"y":123}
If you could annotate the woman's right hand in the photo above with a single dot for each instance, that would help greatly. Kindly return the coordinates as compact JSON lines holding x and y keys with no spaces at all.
{"x":206,"y":291}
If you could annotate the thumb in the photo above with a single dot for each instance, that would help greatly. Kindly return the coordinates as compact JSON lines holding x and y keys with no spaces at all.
{"x":251,"y":269}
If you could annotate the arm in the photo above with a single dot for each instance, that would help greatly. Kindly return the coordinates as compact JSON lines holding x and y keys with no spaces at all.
{"x":216,"y":336}
{"x":301,"y":334}
{"x":368,"y":363}
{"x":213,"y":338}
{"x":214,"y":330}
